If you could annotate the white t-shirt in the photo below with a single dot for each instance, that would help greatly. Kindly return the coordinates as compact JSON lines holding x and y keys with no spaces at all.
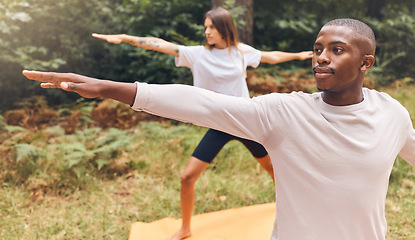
{"x":219,"y":70}
{"x":331,"y":164}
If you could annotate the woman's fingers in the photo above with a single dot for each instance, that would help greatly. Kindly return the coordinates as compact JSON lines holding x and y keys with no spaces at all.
{"x":96,"y":35}
{"x":109,"y":38}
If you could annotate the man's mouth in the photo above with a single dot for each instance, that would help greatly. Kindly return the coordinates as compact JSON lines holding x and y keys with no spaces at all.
{"x":323,"y":72}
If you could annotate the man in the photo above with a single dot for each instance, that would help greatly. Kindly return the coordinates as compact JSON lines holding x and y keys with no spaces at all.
{"x":332,"y":151}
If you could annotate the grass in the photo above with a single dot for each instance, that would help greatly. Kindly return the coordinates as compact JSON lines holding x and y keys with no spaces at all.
{"x":400,"y":202}
{"x":105,"y":206}
{"x":141,"y":180}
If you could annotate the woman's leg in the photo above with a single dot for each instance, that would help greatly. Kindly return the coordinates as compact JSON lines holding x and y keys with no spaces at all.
{"x":260,"y":154}
{"x":266,"y":164}
{"x":194,"y":168}
{"x":205,"y":152}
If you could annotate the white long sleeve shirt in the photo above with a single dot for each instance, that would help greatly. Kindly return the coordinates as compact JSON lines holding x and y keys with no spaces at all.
{"x":331,"y":164}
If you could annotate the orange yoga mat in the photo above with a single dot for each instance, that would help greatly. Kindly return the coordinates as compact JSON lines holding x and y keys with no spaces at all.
{"x":252,"y":222}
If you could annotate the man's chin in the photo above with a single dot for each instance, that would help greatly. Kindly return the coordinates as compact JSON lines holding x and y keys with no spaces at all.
{"x":322,"y":89}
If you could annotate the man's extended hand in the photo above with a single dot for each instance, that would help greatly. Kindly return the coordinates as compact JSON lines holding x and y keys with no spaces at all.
{"x":84,"y":86}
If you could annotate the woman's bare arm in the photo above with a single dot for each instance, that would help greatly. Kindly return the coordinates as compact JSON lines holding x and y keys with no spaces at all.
{"x":276,"y":57}
{"x":149,"y":43}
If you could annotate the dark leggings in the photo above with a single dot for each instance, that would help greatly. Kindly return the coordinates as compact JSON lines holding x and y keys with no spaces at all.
{"x":214,"y":140}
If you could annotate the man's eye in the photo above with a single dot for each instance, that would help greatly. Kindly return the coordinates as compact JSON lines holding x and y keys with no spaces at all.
{"x":338,"y":50}
{"x":317,"y":51}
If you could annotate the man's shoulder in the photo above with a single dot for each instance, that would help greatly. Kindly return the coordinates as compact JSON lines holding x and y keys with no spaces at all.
{"x":379,"y":96}
{"x":298,"y":97}
{"x":384,"y":100}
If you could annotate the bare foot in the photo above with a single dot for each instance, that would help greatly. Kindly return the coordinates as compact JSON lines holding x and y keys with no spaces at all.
{"x":181,"y":234}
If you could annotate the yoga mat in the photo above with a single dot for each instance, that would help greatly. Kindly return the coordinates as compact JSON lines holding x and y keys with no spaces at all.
{"x":251,"y":222}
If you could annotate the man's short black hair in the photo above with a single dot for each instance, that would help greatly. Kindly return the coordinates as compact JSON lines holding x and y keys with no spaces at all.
{"x":361,"y":29}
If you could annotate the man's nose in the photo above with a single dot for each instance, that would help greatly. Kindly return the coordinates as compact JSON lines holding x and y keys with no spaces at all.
{"x":323,"y":57}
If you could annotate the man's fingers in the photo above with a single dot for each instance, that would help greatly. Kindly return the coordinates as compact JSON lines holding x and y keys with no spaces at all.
{"x":78,"y":88}
{"x":67,"y":86}
{"x":49,"y":85}
{"x":40,"y":76}
{"x":33,"y":75}
{"x":64,"y":86}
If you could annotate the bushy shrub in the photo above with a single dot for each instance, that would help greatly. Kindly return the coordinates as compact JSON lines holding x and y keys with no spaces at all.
{"x":395,"y":39}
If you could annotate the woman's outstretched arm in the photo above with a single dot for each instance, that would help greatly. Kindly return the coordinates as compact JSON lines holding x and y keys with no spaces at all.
{"x":275,"y":57}
{"x":149,"y":43}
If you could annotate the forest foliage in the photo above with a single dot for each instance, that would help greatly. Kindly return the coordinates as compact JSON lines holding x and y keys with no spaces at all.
{"x":57,"y":144}
{"x":54,"y":35}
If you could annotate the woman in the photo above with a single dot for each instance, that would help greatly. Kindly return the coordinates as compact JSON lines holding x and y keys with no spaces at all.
{"x":220,"y":65}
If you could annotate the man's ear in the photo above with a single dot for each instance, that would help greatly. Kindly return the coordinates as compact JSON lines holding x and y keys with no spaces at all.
{"x":368,"y":62}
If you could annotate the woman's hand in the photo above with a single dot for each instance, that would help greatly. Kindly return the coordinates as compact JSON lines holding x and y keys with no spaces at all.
{"x":116,"y":39}
{"x":305,"y":55}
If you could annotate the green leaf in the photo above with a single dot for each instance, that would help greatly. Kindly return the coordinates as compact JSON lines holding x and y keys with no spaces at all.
{"x":102,"y":162}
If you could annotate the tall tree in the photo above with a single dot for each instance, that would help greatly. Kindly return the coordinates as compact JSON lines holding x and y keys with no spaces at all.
{"x":243,"y":12}
{"x":374,"y":8}
{"x":246,"y":31}
{"x":217,"y":3}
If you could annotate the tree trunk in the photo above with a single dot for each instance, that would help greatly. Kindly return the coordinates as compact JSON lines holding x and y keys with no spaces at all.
{"x":245,"y":32}
{"x":216,"y":3}
{"x":374,"y":8}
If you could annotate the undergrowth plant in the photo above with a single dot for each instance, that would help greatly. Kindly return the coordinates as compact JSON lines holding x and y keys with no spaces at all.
{"x":64,"y":161}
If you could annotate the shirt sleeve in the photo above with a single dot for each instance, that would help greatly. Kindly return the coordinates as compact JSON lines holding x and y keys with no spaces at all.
{"x":242,"y":117}
{"x":187,"y":55}
{"x":252,"y":56}
{"x":408,"y":150}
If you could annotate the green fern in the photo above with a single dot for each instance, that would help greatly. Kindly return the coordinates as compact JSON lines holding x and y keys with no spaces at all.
{"x":110,"y":146}
{"x":55,"y":131}
{"x":14,"y":129}
{"x":74,"y":154}
{"x":28,"y":152}
{"x":27,"y":157}
{"x":2,"y":122}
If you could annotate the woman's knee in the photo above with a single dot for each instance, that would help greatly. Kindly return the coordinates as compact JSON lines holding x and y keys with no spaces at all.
{"x":194,"y":168}
{"x":188,"y":178}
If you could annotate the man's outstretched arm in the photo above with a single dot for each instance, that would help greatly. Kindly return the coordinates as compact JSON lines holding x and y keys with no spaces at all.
{"x":85,"y":86}
{"x":243,"y":117}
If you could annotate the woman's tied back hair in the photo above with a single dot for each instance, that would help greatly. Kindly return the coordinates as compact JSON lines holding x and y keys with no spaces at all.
{"x":223,"y":22}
